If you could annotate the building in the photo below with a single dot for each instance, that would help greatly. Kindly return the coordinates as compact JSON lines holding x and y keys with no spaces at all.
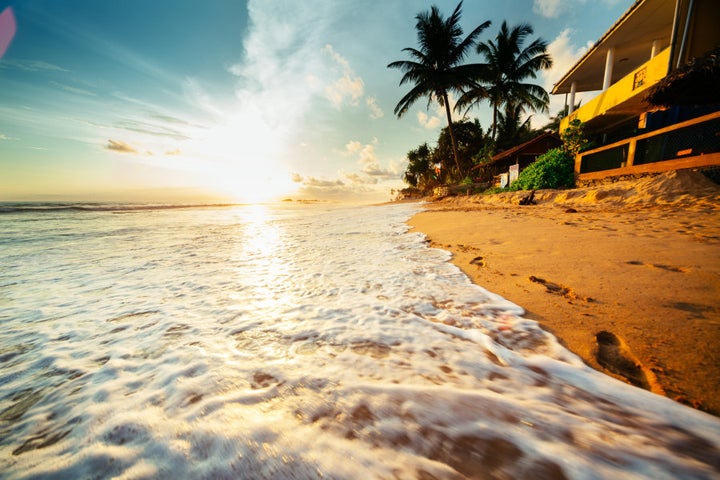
{"x":516,"y":159}
{"x":650,"y":41}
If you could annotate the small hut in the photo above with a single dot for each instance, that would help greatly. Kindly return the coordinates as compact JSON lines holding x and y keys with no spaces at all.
{"x":521,"y":155}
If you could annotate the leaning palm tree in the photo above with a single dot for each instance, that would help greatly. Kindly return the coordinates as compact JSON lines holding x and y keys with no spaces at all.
{"x":437,"y":68}
{"x":507,"y":69}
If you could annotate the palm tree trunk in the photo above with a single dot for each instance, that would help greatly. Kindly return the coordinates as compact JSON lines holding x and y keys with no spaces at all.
{"x":452,"y":133}
{"x":495,"y":109}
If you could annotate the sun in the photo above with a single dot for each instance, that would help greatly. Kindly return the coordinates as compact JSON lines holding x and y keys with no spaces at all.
{"x":249,"y":185}
{"x":243,"y":160}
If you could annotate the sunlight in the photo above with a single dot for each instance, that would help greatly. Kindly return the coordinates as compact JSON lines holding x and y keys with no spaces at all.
{"x":243,"y":158}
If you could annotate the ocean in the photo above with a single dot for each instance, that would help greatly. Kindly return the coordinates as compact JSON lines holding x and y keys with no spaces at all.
{"x":295,"y":342}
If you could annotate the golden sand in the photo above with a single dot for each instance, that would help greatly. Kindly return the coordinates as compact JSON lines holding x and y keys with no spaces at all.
{"x":626,"y":275}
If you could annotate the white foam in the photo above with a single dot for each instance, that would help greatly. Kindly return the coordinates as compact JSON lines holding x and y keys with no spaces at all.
{"x":296,"y":342}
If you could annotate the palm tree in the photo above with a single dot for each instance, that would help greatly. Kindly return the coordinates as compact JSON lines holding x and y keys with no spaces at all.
{"x":506,"y":71}
{"x":436,"y":66}
{"x":511,"y":129}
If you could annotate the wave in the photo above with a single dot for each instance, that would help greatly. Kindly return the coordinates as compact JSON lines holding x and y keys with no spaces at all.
{"x":39,"y":207}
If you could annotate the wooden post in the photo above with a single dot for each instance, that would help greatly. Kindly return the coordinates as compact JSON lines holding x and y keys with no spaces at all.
{"x":631,"y":153}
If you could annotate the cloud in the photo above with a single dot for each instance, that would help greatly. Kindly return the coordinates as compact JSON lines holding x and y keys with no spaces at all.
{"x":427,"y":121}
{"x":32,"y":66}
{"x":68,"y":88}
{"x":172,"y":153}
{"x":120,"y":147}
{"x":349,"y":88}
{"x":358,"y":179}
{"x":367,"y":159}
{"x":553,"y":8}
{"x":167,"y":118}
{"x":151,"y":129}
{"x":375,"y":110}
{"x":296,"y":178}
{"x":5,"y":137}
{"x":322,"y":183}
{"x":564,"y":55}
{"x":549,"y":8}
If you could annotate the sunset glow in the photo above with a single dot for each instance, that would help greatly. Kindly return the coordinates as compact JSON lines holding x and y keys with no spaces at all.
{"x":238,"y":100}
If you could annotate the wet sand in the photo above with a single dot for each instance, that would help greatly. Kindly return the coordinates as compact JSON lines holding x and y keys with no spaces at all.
{"x":626,"y":275}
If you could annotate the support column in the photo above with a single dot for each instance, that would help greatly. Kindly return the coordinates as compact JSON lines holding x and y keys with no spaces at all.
{"x":609,"y":60}
{"x":655,"y":48}
{"x":571,"y":108}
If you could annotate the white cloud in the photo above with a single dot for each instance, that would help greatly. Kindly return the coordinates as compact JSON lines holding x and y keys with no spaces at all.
{"x":548,"y":8}
{"x":353,"y":147}
{"x":427,"y":121}
{"x":31,"y":65}
{"x":68,"y":88}
{"x":358,"y":179}
{"x":367,"y":159}
{"x":564,"y":55}
{"x":349,"y":88}
{"x":553,"y":8}
{"x":375,"y":110}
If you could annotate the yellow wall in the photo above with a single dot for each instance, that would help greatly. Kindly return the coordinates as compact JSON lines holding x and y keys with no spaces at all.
{"x":623,"y":90}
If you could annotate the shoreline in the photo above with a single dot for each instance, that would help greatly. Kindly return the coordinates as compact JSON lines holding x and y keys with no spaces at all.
{"x":625,"y":275}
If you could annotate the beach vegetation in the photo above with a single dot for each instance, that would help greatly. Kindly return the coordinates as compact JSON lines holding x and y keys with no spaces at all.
{"x":437,"y":67}
{"x":431,"y":167}
{"x":469,"y":140}
{"x":573,"y":138}
{"x":504,"y":79}
{"x":553,"y":169}
{"x":512,"y":130}
{"x":420,"y":172}
{"x":554,"y":124}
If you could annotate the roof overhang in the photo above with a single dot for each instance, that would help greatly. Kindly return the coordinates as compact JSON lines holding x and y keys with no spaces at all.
{"x":632,"y":37}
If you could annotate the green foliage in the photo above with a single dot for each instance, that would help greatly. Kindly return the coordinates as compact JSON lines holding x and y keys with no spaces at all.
{"x":573,"y":138}
{"x":553,"y":169}
{"x":437,"y":67}
{"x":470,"y":139}
{"x":486,"y":152}
{"x":510,"y":65}
{"x":420,"y":171}
{"x":511,"y":130}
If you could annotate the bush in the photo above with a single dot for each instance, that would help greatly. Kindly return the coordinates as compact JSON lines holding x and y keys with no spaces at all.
{"x":553,"y":169}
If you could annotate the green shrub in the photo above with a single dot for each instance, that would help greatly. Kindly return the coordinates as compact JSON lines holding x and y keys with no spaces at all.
{"x":553,"y":169}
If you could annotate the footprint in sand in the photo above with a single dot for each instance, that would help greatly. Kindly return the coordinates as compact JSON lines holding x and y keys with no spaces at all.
{"x":479,"y":261}
{"x":614,"y":355}
{"x":559,"y":289}
{"x":661,"y":266}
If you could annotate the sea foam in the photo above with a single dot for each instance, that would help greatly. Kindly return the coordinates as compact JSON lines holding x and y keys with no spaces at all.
{"x":296,"y":342}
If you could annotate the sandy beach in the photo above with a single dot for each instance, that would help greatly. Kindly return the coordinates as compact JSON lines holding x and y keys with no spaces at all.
{"x":625,"y":274}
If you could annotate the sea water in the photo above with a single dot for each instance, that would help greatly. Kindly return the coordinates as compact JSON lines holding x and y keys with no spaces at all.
{"x":295,"y":341}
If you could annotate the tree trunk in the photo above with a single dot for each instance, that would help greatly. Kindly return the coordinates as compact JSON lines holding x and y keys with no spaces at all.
{"x":452,"y":134}
{"x":494,"y":119}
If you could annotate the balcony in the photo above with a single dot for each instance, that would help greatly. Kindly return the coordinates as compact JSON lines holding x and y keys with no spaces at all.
{"x":624,"y":98}
{"x":693,"y":143}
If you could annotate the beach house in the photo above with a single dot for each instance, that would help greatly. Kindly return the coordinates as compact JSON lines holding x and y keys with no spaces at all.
{"x":654,"y":39}
{"x":505,"y":166}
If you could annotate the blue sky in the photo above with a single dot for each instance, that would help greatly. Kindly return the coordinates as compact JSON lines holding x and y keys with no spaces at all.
{"x":183,"y":100}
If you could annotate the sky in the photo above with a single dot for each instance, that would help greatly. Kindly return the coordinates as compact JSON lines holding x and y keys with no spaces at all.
{"x":244,"y":101}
